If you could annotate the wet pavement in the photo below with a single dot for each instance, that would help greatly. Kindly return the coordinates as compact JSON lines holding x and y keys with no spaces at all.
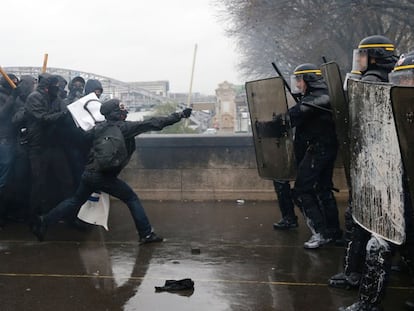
{"x":230,"y":251}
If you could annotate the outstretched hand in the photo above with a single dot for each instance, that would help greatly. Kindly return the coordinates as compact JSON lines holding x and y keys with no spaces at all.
{"x":186,"y":113}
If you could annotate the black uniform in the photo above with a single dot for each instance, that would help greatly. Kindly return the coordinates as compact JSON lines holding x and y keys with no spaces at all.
{"x":315,"y":148}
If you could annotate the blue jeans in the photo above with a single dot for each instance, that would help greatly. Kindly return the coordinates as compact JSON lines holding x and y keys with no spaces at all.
{"x":93,"y":182}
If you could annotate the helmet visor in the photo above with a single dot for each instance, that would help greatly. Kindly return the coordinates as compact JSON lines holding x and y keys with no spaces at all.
{"x":360,"y":60}
{"x":297,"y":84}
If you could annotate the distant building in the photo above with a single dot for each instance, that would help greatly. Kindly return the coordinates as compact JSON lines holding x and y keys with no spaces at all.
{"x":232,"y":113}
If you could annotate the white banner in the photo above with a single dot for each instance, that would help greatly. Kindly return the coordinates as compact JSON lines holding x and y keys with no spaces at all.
{"x":96,"y":210}
{"x":85,"y":111}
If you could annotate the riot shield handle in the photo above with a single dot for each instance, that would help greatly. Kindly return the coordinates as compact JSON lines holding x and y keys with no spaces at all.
{"x":6,"y":76}
{"x":284,"y":82}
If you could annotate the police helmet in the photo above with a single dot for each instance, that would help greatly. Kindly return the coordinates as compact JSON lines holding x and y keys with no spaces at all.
{"x":305,"y":72}
{"x":403,"y":73}
{"x":375,"y":47}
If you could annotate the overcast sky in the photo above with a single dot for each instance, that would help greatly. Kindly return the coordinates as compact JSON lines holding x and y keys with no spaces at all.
{"x":129,"y":40}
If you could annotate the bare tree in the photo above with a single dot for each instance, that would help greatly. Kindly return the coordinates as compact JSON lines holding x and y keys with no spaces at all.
{"x":291,"y":32}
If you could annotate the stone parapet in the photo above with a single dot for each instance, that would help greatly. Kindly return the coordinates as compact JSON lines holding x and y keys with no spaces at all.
{"x":200,"y":168}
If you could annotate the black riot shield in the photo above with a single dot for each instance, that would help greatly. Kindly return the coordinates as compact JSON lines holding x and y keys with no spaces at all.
{"x":376,"y":168}
{"x":402,"y":99}
{"x":339,"y":103}
{"x":274,"y":153}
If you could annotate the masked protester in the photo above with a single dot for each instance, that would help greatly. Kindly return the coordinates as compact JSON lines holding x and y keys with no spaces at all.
{"x":7,"y":138}
{"x":62,"y":87}
{"x":75,"y":144}
{"x":76,"y":87}
{"x":43,"y":114}
{"x":18,"y":188}
{"x":95,"y":86}
{"x":97,"y":178}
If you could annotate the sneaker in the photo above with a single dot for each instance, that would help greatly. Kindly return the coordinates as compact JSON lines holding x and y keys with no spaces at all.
{"x":341,"y":280}
{"x":315,"y":241}
{"x":39,"y":228}
{"x":361,"y":306}
{"x":286,"y":224}
{"x":151,"y":238}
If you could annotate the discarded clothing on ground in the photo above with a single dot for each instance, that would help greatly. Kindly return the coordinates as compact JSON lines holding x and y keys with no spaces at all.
{"x":176,"y":285}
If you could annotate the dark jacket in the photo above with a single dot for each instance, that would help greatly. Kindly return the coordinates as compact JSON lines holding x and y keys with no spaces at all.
{"x":42,"y":114}
{"x":25,"y":87}
{"x":130,"y":129}
{"x":377,"y":72}
{"x":6,"y":113}
{"x":312,"y":118}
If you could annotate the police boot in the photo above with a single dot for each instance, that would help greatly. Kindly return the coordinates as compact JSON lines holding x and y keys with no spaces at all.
{"x":286,"y":223}
{"x":284,"y":198}
{"x":373,"y":282}
{"x":342,"y":280}
{"x":361,"y":306}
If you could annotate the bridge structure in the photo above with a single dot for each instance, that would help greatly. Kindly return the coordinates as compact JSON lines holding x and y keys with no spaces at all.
{"x":133,"y":96}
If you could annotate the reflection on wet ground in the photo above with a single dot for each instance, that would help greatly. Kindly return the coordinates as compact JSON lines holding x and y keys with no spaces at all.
{"x":236,"y":259}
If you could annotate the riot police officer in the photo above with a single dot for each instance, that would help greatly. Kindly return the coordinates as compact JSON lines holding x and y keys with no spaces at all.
{"x":367,"y":252}
{"x":315,"y":147}
{"x":374,"y":59}
{"x":403,"y":75}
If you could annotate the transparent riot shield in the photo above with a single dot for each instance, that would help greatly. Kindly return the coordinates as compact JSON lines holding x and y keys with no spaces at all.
{"x":274,"y":153}
{"x":339,"y":103}
{"x":376,"y":168}
{"x":402,"y":99}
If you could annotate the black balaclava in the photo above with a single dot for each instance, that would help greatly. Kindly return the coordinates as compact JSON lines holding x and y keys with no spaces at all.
{"x":76,"y":86}
{"x":49,"y":84}
{"x":26,"y":86}
{"x":92,"y":85}
{"x":6,"y":86}
{"x":62,"y":85}
{"x":113,"y":110}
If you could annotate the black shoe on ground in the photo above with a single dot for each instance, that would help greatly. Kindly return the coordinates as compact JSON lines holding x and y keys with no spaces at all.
{"x":151,"y":238}
{"x":286,"y":223}
{"x":39,"y":228}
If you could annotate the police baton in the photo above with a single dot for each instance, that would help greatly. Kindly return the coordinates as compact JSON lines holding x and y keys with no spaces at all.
{"x":6,"y":76}
{"x":284,"y":82}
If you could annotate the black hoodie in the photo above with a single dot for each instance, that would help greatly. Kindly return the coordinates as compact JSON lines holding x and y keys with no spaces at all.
{"x":92,"y":85}
{"x":42,"y":113}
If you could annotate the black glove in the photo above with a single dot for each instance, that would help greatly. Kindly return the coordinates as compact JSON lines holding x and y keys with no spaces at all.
{"x":186,"y":113}
{"x":275,"y":128}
